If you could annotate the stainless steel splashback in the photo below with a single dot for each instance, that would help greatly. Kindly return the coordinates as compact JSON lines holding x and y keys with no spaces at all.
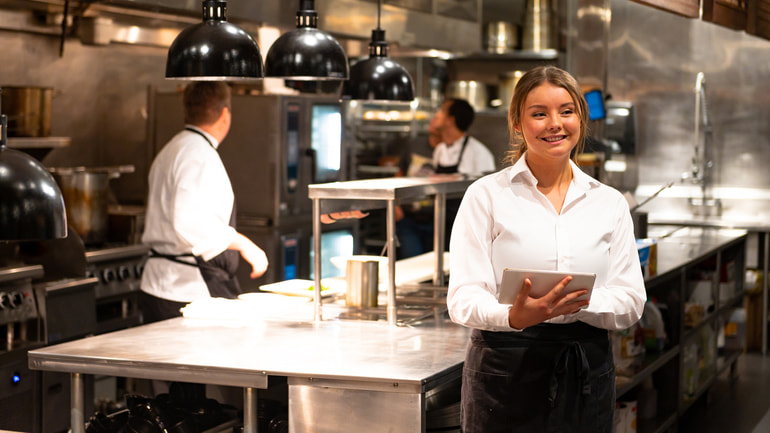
{"x":653,"y":59}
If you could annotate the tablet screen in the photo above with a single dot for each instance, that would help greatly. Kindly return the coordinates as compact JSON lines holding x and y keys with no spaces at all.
{"x":542,"y":283}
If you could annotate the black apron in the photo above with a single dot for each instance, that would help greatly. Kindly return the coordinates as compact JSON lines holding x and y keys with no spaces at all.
{"x":219,"y":273}
{"x":452,"y":205}
{"x":548,"y":378}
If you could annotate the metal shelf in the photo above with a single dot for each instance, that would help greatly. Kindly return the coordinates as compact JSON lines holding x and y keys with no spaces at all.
{"x":38,"y":142}
{"x":550,"y":54}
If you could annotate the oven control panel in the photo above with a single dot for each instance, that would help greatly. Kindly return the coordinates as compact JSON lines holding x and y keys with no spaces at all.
{"x":119,"y":270}
{"x":17,"y":303}
{"x":116,"y":278}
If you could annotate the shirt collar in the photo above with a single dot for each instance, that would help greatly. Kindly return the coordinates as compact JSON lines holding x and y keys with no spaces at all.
{"x":520,"y":172}
{"x":459,"y":140}
{"x":211,"y":138}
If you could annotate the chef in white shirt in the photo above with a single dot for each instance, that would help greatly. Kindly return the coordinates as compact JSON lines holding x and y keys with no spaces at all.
{"x":458,"y":152}
{"x":190,"y":217}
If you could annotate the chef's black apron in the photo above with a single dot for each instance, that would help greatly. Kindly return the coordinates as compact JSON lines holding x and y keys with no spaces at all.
{"x":547,"y":378}
{"x":219,"y":273}
{"x":452,"y":205}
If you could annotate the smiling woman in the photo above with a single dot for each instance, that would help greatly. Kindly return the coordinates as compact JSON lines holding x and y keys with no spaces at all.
{"x":542,"y":213}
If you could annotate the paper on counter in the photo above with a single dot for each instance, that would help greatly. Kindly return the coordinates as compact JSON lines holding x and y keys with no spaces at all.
{"x":249,"y":306}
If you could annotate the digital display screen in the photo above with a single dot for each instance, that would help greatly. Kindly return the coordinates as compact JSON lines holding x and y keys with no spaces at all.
{"x":326,"y":140}
{"x":333,"y":243}
{"x":595,"y":101}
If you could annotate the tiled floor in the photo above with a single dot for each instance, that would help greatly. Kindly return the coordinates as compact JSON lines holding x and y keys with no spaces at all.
{"x":740,"y":406}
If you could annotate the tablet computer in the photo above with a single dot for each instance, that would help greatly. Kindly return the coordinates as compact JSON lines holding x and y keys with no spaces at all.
{"x":542,"y":283}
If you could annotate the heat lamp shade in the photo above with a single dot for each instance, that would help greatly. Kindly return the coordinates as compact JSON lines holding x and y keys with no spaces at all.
{"x":306,"y":53}
{"x":32,"y":206}
{"x":214,"y":51}
{"x":379,"y":78}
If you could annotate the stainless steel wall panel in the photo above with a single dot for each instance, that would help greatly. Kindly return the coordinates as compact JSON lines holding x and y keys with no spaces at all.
{"x":654,"y":57}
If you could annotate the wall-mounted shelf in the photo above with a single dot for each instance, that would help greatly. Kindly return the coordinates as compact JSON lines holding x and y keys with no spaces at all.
{"x":550,"y":54}
{"x":38,"y":147}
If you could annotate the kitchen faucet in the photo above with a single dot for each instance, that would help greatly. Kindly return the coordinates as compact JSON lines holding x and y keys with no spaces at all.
{"x":703,"y":153}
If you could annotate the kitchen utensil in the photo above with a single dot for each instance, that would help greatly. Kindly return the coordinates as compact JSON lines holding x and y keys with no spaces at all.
{"x":28,"y":110}
{"x":475,"y":92}
{"x":502,"y":37}
{"x":538,"y":31}
{"x":86,"y":193}
{"x":362,"y":283}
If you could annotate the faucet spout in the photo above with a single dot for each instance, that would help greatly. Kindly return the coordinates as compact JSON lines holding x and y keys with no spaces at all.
{"x":703,"y":153}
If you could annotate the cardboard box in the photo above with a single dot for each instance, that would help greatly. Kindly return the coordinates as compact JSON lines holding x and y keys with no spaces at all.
{"x":648,"y":256}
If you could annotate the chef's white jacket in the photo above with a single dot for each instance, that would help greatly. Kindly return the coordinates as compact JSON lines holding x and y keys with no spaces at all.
{"x":188,"y":211}
{"x":476,"y":160}
{"x":504,"y":221}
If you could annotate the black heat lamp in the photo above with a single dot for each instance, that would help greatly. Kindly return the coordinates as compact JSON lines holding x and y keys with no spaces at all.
{"x":378,"y":77}
{"x":306,"y":53}
{"x":214,"y":50}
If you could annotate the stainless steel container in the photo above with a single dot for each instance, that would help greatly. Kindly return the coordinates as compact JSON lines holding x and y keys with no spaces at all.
{"x":538,"y":33}
{"x":362,"y":277}
{"x":507,"y":86}
{"x":502,"y":37}
{"x":475,"y":92}
{"x":28,"y":110}
{"x":87,"y":195}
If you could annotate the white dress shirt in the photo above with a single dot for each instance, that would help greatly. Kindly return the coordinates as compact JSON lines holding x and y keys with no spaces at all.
{"x":188,"y":211}
{"x":476,"y":160}
{"x":504,"y":221}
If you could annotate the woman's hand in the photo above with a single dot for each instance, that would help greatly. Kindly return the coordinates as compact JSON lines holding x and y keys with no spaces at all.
{"x":527,"y":311}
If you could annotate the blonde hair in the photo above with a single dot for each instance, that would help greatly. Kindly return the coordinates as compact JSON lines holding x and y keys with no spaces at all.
{"x":529,"y":81}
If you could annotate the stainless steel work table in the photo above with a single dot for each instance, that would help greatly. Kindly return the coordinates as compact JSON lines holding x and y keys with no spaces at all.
{"x":367,"y":375}
{"x":757,"y":223}
{"x":377,"y":193}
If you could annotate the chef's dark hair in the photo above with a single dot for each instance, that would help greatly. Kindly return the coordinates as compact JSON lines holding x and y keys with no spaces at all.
{"x":462,"y":112}
{"x":204,"y":101}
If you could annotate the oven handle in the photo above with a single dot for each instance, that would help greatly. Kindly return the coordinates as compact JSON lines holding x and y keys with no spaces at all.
{"x":313,"y":155}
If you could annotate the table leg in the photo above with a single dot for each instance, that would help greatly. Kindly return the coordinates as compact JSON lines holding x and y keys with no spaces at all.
{"x":764,"y":254}
{"x":390,"y":220}
{"x":249,"y":410}
{"x":77,"y":404}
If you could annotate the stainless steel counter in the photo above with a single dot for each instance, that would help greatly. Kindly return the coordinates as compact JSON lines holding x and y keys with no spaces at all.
{"x":390,"y":363}
{"x":679,"y":246}
{"x":755,"y":223}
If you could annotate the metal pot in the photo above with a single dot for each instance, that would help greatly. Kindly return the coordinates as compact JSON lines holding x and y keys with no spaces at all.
{"x":28,"y":110}
{"x":87,"y":195}
{"x":502,"y":37}
{"x":475,"y":92}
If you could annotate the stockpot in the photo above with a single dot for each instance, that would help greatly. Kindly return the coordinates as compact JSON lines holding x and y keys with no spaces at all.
{"x":87,"y":194}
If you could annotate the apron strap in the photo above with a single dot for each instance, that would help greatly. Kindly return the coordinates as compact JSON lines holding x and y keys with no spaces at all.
{"x":451,"y":169}
{"x":201,"y":134}
{"x":172,"y":257}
